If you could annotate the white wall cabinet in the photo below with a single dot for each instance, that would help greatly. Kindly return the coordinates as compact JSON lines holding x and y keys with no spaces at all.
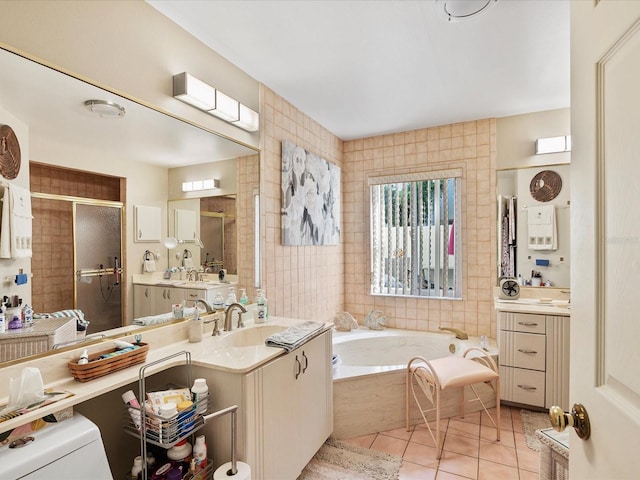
{"x":295,"y":416}
{"x":534,"y":359}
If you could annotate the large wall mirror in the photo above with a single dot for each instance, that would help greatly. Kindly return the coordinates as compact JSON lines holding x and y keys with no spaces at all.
{"x":534,"y":225}
{"x":51,"y":106}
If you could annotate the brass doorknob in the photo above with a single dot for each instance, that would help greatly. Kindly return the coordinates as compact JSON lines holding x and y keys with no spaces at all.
{"x":577,"y":418}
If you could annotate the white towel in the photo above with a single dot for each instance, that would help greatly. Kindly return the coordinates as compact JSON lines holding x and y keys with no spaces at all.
{"x":543,"y":233}
{"x":294,"y":336}
{"x":16,"y":236}
{"x":5,"y":226}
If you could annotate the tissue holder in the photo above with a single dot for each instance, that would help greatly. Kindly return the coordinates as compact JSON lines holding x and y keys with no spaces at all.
{"x":97,"y":367}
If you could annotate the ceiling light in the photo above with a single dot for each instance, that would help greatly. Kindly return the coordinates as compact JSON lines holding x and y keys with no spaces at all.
{"x":193,"y":91}
{"x":458,"y":10}
{"x":226,"y":108}
{"x":105,"y":108}
{"x":553,"y":145}
{"x":196,"y":93}
{"x":197,"y":185}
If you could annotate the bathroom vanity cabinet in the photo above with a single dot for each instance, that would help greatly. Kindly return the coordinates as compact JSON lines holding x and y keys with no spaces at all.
{"x":157,"y":299}
{"x":294,"y":415}
{"x":534,"y":358}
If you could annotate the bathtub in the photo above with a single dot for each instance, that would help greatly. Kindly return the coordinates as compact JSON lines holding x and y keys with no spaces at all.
{"x":369,"y":377}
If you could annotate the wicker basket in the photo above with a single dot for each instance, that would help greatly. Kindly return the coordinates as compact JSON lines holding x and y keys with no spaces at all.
{"x":100,"y":367}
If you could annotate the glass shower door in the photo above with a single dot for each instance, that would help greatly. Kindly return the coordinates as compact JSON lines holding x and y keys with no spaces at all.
{"x":98,"y":254}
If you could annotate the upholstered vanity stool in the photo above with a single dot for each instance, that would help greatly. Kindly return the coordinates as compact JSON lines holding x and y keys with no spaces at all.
{"x":434,"y":376}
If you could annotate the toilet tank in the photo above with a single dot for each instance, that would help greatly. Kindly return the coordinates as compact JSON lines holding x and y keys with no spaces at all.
{"x":68,"y":450}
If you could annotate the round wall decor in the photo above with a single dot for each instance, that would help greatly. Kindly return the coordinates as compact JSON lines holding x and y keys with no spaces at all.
{"x":545,"y":185}
{"x":9,"y":153}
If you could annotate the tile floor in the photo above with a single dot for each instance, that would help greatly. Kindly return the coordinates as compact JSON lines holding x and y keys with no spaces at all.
{"x":470,"y":449}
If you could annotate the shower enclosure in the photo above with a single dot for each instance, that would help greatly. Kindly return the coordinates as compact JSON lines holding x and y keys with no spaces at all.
{"x":97,"y":237}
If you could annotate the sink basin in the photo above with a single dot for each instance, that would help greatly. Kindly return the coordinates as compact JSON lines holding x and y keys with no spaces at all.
{"x":251,"y":336}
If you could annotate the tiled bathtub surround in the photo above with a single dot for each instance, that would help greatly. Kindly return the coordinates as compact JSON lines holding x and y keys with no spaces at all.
{"x":469,"y":145}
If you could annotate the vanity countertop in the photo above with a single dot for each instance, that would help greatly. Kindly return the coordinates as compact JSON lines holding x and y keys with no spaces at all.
{"x":216,"y":353}
{"x":210,"y":281}
{"x":534,"y":305}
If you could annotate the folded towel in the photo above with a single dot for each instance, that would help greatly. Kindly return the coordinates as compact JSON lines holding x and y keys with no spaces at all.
{"x":295,"y":336}
{"x":161,"y":318}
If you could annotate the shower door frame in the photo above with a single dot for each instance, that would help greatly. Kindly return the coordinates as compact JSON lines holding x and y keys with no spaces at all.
{"x":99,"y":203}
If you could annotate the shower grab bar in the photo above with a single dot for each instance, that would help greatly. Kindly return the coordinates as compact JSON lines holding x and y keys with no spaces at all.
{"x":99,"y":272}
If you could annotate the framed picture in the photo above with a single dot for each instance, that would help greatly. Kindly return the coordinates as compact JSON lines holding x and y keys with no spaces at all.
{"x":310,"y":198}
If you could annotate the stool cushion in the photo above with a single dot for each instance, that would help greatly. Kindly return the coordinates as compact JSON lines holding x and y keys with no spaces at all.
{"x":456,"y":372}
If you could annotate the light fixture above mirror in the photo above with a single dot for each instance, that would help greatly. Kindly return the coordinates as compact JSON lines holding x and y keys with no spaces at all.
{"x":199,"y":94}
{"x":172,"y":242}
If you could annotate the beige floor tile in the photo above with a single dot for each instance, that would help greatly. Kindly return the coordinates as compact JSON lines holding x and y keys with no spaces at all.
{"x":495,"y":471}
{"x":399,"y":433}
{"x":422,"y":436}
{"x":421,"y":455}
{"x":488,"y":434}
{"x":528,"y":459}
{"x":462,"y":445}
{"x":527,"y":475}
{"x":363,"y":441}
{"x":498,"y":454}
{"x":413,"y":471}
{"x":390,"y":445}
{"x":469,"y":418}
{"x":449,"y":476}
{"x":459,"y":464}
{"x":458,"y":427}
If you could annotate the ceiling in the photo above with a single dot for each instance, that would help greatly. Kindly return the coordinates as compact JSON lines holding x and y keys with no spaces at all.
{"x":52,"y":105}
{"x":363,"y":68}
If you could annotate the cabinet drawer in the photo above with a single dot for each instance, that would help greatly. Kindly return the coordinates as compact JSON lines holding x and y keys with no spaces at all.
{"x":522,"y":322}
{"x":523,"y":350}
{"x":522,"y":386}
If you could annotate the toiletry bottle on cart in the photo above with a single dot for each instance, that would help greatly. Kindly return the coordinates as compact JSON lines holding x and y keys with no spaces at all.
{"x":200,"y":452}
{"x":200,"y":395}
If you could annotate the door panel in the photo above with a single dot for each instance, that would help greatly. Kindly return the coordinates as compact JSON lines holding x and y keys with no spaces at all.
{"x":605,"y":224}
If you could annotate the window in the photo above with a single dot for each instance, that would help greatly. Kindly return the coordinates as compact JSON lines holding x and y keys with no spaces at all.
{"x":415,"y":246}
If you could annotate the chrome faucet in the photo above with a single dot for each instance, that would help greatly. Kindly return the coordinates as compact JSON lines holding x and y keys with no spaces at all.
{"x":461,"y":334}
{"x":229,"y":315}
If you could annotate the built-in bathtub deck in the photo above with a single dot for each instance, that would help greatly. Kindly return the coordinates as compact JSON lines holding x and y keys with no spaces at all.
{"x":371,"y":398}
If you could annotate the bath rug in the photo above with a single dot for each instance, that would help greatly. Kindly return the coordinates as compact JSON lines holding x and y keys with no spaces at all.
{"x":340,"y":461}
{"x":532,"y":421}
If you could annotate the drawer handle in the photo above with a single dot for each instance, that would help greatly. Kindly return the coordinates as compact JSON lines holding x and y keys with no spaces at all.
{"x":528,"y":324}
{"x":527,"y":387}
{"x":531,"y":352}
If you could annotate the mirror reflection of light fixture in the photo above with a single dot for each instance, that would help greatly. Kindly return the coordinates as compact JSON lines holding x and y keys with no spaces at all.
{"x":196,"y":185}
{"x":553,"y":145}
{"x":172,"y":242}
{"x":105,"y":108}
{"x":197,"y":93}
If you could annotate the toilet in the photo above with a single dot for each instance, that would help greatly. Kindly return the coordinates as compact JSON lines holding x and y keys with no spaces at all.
{"x":71,"y":449}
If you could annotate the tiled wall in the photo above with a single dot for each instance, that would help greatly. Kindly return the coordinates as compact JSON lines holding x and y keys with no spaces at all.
{"x":52,"y":262}
{"x":307,"y":281}
{"x":470,"y":145}
{"x":248,"y":181}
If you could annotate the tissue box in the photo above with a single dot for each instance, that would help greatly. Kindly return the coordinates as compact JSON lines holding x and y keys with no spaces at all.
{"x":98,"y":367}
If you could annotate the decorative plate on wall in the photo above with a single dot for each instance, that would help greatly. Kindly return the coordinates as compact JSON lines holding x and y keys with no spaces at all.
{"x":545,"y":186}
{"x":9,"y":153}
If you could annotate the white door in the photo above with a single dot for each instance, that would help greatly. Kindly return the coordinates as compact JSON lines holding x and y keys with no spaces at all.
{"x":605,"y":236}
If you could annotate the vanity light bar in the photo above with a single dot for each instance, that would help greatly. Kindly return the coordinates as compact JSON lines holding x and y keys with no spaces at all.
{"x":553,"y":145}
{"x":197,"y":93}
{"x":197,"y":185}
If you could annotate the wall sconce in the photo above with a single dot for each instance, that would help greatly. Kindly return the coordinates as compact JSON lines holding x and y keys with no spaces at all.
{"x":172,"y":242}
{"x":553,"y":145}
{"x":197,"y":93}
{"x":198,"y":185}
